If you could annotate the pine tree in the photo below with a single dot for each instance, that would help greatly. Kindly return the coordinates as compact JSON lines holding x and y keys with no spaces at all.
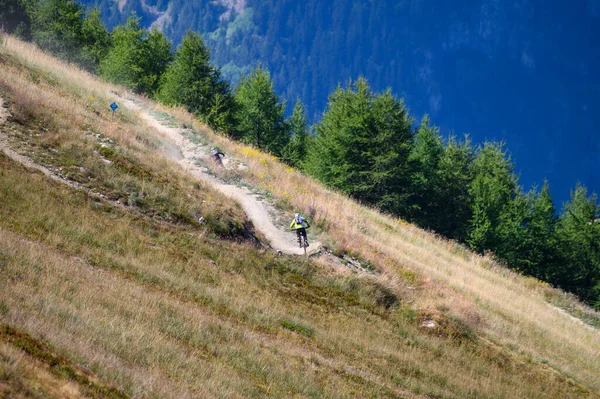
{"x":579,"y":227}
{"x":494,"y":186}
{"x":362,"y":146}
{"x":96,"y":40}
{"x":156,"y":58}
{"x":259,"y":115}
{"x":388,"y":178}
{"x":125,"y":61}
{"x":191,"y":81}
{"x":512,"y":239}
{"x":57,"y":27}
{"x":138,"y":58}
{"x":541,"y":256}
{"x":426,"y":202}
{"x":295,"y":152}
{"x":456,"y":170}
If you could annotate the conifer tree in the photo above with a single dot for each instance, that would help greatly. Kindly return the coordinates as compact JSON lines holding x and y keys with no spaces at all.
{"x":540,"y":256}
{"x":157,"y":58}
{"x":456,"y":177}
{"x":191,"y":81}
{"x":57,"y":27}
{"x":295,"y":152}
{"x":137,"y":58}
{"x":494,"y":186}
{"x":96,"y":40}
{"x":259,"y":114}
{"x":426,"y":202}
{"x":362,"y":146}
{"x":124,"y":62}
{"x":511,"y":233}
{"x":579,"y":227}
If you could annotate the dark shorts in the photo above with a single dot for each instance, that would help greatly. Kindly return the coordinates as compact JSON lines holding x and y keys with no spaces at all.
{"x":301,"y":232}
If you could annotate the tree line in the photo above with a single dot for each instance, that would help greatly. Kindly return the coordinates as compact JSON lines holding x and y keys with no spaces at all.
{"x":366,"y":145}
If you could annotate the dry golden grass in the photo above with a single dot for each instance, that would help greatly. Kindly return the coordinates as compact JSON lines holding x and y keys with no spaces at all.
{"x":163,"y":309}
{"x":167,"y":322}
{"x":23,"y":377}
{"x":504,"y":307}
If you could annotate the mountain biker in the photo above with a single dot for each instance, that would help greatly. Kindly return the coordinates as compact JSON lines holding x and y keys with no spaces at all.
{"x":300,"y":224}
{"x":216,"y":154}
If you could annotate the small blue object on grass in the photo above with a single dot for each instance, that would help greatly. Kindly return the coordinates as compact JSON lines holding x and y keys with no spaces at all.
{"x":113,"y":106}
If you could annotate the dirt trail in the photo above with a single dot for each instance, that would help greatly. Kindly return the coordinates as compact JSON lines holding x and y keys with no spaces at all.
{"x":182,"y":150}
{"x":3,"y":112}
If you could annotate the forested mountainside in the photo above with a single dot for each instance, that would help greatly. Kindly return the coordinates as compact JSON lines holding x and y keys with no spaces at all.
{"x":524,"y":72}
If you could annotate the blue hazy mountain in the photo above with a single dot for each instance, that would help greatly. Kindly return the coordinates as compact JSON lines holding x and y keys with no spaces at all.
{"x":526,"y":72}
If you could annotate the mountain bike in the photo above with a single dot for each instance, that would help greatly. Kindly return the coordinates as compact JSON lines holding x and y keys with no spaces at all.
{"x":303,"y":242}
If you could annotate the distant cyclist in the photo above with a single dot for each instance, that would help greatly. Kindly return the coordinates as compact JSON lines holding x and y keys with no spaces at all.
{"x":217,"y":155}
{"x":300,"y":224}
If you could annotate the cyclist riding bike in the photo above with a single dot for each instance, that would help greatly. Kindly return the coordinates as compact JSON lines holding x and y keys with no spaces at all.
{"x":299,"y":224}
{"x":217,"y":155}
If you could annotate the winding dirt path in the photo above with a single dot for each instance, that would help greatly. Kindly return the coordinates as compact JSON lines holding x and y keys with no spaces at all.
{"x":182,"y":150}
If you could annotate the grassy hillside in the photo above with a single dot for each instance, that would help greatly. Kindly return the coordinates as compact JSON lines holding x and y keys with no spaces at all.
{"x":110,"y":287}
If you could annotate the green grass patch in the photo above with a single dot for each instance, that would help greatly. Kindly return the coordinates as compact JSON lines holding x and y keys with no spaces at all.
{"x":298,"y":327}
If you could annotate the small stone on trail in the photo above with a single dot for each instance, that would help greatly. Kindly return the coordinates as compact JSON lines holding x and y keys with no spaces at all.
{"x":428,"y":323}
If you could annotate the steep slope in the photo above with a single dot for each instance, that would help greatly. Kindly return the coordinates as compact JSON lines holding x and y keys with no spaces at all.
{"x":189,"y":154}
{"x":116,"y":275}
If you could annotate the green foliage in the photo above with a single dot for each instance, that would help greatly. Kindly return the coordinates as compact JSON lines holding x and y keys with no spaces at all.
{"x":57,"y":27}
{"x":221,"y":113}
{"x":426,"y":202}
{"x":63,"y":28}
{"x":192,"y":82}
{"x":579,"y":227}
{"x":156,"y":59}
{"x":14,"y":18}
{"x":137,"y":58}
{"x":294,"y":152}
{"x":259,"y":115}
{"x":456,"y":176}
{"x":493,"y":188}
{"x":95,"y":38}
{"x":362,"y":146}
{"x":529,"y":241}
{"x":298,"y":327}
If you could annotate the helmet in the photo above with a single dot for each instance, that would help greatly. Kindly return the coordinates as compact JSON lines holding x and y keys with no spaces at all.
{"x":297,"y":214}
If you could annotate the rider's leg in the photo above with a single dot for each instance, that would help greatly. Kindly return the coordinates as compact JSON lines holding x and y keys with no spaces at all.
{"x":303,"y":233}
